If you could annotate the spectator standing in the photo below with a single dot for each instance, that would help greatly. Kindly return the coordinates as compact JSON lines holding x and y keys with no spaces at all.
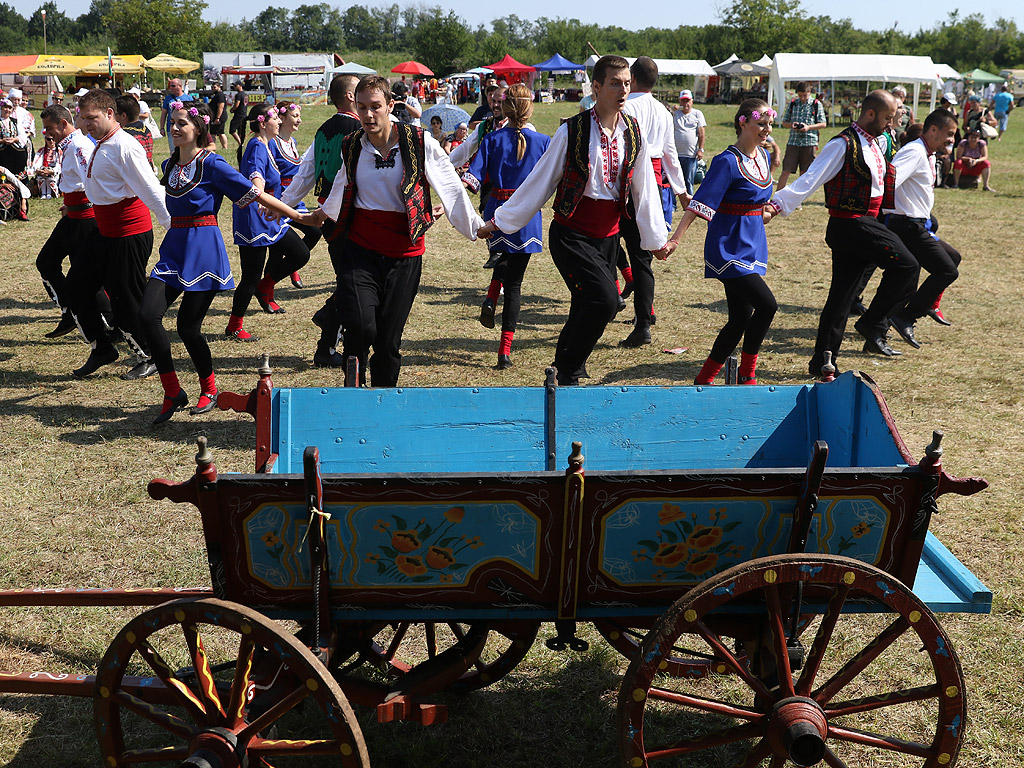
{"x":24,"y":117}
{"x":407,"y":106}
{"x":14,"y":142}
{"x":690,"y":131}
{"x":1002,"y":103}
{"x":804,"y":117}
{"x":237,"y":127}
{"x":127,"y":113}
{"x":175,"y":92}
{"x":219,"y":108}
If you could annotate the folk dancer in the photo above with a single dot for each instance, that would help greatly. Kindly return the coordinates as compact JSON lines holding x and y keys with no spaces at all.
{"x":732,"y":198}
{"x":505,"y":159}
{"x":381,"y":203}
{"x":123,"y":189}
{"x":193,"y":261}
{"x":858,"y":184}
{"x":596,"y":162}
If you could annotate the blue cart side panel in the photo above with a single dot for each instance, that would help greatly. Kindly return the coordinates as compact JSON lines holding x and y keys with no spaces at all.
{"x":846,"y":415}
{"x":946,"y":585}
{"x":490,"y":429}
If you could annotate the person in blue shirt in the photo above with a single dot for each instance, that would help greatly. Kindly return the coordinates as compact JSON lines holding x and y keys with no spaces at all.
{"x":1001,"y":106}
{"x":175,"y":92}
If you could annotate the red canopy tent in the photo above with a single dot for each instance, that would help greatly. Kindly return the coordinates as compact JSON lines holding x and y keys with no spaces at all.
{"x":513,"y":71}
{"x":412,"y":68}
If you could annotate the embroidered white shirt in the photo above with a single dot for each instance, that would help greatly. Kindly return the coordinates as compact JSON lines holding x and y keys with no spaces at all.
{"x":119,"y":170}
{"x":659,"y":134}
{"x":76,"y":151}
{"x":915,"y":180}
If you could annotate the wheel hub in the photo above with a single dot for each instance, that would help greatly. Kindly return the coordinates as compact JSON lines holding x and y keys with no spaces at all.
{"x":797,"y":728}
{"x":215,"y":748}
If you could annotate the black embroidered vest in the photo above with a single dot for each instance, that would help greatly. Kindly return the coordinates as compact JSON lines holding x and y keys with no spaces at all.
{"x":849,"y":190}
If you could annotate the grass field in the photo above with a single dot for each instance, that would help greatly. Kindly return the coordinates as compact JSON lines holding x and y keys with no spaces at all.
{"x":77,"y":455}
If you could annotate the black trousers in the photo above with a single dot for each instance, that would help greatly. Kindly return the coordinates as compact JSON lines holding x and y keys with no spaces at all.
{"x":937,"y":257}
{"x":66,"y":240}
{"x":752,"y":308}
{"x":643,"y":274}
{"x":857,"y":243}
{"x":287,"y":255}
{"x":376,"y":295}
{"x":156,"y":299}
{"x":510,"y":272}
{"x":118,"y":266}
{"x":587,"y":265}
{"x":310,"y":237}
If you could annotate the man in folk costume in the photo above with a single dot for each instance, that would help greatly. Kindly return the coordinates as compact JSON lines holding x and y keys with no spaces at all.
{"x":858,"y":185}
{"x":317,"y":171}
{"x":596,"y":163}
{"x":380,"y":203}
{"x":123,"y":189}
{"x":77,"y":222}
{"x":658,"y":134}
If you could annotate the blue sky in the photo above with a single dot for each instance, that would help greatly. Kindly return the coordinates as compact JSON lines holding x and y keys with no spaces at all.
{"x":911,"y":15}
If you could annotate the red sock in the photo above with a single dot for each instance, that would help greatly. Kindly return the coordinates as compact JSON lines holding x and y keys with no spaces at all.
{"x":708,"y":372}
{"x":627,"y":274}
{"x":265,"y":290}
{"x":617,"y":288}
{"x":506,"y":343}
{"x":234,"y":324}
{"x":494,"y":290}
{"x":170,"y":384}
{"x":748,"y":363}
{"x":938,"y":300}
{"x":208,"y":385}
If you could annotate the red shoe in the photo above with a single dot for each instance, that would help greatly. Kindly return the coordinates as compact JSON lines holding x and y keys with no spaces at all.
{"x":240,"y":335}
{"x":265,"y":296}
{"x":297,"y":281}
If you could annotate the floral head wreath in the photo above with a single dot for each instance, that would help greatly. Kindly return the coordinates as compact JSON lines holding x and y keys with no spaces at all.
{"x":261,"y":118}
{"x":195,"y":113}
{"x":176,"y":105}
{"x":770,"y":113}
{"x":289,"y":108}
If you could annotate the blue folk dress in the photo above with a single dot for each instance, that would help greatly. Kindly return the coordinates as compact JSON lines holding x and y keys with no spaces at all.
{"x":192,"y":254}
{"x":496,"y":163}
{"x":286,"y":157}
{"x":250,"y":227}
{"x":731,"y":198}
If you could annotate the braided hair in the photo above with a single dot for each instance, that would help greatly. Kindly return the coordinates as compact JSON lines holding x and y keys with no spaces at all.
{"x":257,"y":116}
{"x":517,"y":106}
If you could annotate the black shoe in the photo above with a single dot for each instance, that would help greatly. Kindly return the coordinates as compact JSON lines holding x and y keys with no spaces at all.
{"x":493,"y":260}
{"x":627,"y":289}
{"x":938,"y":317}
{"x":637,"y":338}
{"x":64,"y":327}
{"x":504,"y":361}
{"x":178,"y":402}
{"x":857,"y":309}
{"x":487,"y":314}
{"x":141,"y":370}
{"x":654,"y":319}
{"x":211,"y":403}
{"x":320,"y":318}
{"x":97,"y":359}
{"x":621,"y":306}
{"x":879,"y":346}
{"x":297,"y":280}
{"x":905,"y":328}
{"x":328,"y":359}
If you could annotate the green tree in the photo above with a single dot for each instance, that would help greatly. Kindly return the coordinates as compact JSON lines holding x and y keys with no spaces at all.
{"x":317,"y":28}
{"x":359,"y":28}
{"x":227,"y":36}
{"x":271,"y":29}
{"x":59,"y":28}
{"x":90,"y":23}
{"x":149,"y":27}
{"x":442,"y":42}
{"x":771,"y":25}
{"x":568,"y":37}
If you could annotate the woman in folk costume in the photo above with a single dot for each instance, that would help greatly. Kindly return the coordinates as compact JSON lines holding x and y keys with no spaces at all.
{"x":193,"y":260}
{"x":732,"y":198}
{"x":254,"y":233}
{"x":286,"y":154}
{"x":504,"y":160}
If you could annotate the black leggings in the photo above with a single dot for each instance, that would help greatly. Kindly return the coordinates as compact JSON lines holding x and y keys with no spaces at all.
{"x":510,"y":271}
{"x":752,"y":307}
{"x":288,"y":255}
{"x":156,"y":299}
{"x":310,"y":237}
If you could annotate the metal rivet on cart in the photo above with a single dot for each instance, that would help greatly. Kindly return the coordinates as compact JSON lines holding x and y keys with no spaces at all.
{"x":639,"y":694}
{"x":849,"y":577}
{"x":952,"y":692}
{"x":690,"y":615}
{"x":771,"y":576}
{"x":130,"y":637}
{"x":943,"y":758}
{"x":179,"y":615}
{"x":312,"y":684}
{"x":915,"y":616}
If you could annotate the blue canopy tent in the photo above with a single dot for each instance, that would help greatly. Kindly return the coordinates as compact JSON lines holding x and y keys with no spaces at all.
{"x":557,"y":63}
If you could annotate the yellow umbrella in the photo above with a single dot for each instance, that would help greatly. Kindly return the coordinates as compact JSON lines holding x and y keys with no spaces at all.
{"x":164,"y":62}
{"x":117,"y":65}
{"x":51,"y":65}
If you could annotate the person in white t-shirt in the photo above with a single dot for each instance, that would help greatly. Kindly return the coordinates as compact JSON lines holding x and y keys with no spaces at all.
{"x":690,"y":127}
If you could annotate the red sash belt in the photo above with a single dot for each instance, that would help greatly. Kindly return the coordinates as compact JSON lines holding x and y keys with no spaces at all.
{"x":659,"y":177}
{"x":501,"y":195}
{"x":189,"y":222}
{"x":594,"y":218}
{"x":740,"y":209}
{"x":286,"y":181}
{"x":874,"y":206}
{"x":384,"y":232}
{"x":77,"y":206}
{"x":127,"y":217}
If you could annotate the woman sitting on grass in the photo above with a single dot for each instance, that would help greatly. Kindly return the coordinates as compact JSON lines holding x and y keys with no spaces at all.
{"x":972,"y":160}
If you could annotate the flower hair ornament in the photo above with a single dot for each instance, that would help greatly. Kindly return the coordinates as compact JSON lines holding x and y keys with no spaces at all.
{"x":769,"y":113}
{"x":289,"y":108}
{"x":261,"y":119}
{"x":176,"y":105}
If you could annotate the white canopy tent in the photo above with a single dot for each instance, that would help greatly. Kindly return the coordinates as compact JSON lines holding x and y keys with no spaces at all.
{"x":764,"y":61}
{"x":670,"y":66}
{"x":790,"y":67}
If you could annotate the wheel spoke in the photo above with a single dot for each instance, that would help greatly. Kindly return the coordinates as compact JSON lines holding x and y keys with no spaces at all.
{"x":821,"y":640}
{"x":858,"y":663}
{"x":205,"y":681}
{"x":868,"y":703}
{"x":430,"y":630}
{"x":706,"y":741}
{"x":293,"y":747}
{"x":457,"y":630}
{"x":778,"y":761}
{"x":705,"y":705}
{"x":396,"y":641}
{"x":155,"y":755}
{"x":181,"y":691}
{"x":278,"y":710}
{"x":779,"y":646}
{"x":240,"y":685}
{"x":148,"y":711}
{"x":727,"y":656}
{"x":759,"y":752}
{"x":833,"y":759}
{"x":869,"y":739}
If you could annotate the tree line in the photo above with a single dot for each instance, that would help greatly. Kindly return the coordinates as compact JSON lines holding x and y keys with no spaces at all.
{"x":445,"y":43}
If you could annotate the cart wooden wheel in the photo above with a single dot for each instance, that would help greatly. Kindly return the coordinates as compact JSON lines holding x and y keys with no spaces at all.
{"x":690,"y":657}
{"x":230,"y":688}
{"x":878,"y":683}
{"x":399,"y":648}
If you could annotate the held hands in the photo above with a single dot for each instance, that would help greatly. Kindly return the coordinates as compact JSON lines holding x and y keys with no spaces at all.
{"x":768,"y":213}
{"x":666,"y":250}
{"x":486,"y":230}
